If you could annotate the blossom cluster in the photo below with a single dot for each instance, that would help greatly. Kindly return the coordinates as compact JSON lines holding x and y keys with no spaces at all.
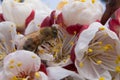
{"x":68,"y":43}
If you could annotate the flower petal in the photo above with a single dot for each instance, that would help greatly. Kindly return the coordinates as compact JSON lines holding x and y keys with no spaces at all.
{"x":16,"y":12}
{"x":8,"y":30}
{"x":89,"y":70}
{"x":31,"y":28}
{"x":58,"y":73}
{"x":21,"y":63}
{"x":83,"y":42}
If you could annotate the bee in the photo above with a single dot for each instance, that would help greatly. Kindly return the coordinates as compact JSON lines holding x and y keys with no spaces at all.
{"x":31,"y":41}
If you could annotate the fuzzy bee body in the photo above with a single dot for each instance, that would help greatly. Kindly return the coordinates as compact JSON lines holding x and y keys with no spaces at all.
{"x":33,"y":40}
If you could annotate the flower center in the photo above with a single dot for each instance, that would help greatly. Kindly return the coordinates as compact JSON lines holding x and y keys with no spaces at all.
{"x":101,"y":51}
{"x":59,"y":47}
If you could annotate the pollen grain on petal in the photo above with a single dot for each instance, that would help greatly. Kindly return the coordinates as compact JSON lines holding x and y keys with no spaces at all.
{"x":81,"y":64}
{"x":37,"y":75}
{"x":101,"y":78}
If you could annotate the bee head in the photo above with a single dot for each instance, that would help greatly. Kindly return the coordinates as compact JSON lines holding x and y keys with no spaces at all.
{"x":49,"y":32}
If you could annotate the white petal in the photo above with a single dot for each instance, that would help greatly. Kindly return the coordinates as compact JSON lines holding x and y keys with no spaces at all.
{"x":85,"y":37}
{"x":31,"y":28}
{"x":8,"y":30}
{"x":106,"y":76}
{"x":40,"y":16}
{"x":17,"y":40}
{"x":57,"y":73}
{"x":86,"y":12}
{"x":89,"y":70}
{"x":29,"y":62}
{"x":16,"y":12}
{"x":44,"y":76}
{"x":38,"y":5}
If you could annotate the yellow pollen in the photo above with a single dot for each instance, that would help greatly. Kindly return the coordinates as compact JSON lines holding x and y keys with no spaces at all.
{"x":93,"y":1}
{"x":33,"y":57}
{"x":90,"y":50}
{"x":83,"y":0}
{"x":100,"y":43}
{"x":14,"y":78}
{"x":41,"y":51}
{"x":19,"y":64}
{"x":24,"y":79}
{"x":17,"y":0}
{"x":64,"y":60}
{"x":99,"y":62}
{"x":81,"y":64}
{"x":56,"y":50}
{"x":71,"y":43}
{"x":11,"y":67}
{"x":101,"y":78}
{"x":37,"y":75}
{"x":62,"y":4}
{"x":75,"y":32}
{"x":1,"y":56}
{"x":102,"y":28}
{"x":117,"y":69}
{"x":107,"y":47}
{"x":117,"y":61}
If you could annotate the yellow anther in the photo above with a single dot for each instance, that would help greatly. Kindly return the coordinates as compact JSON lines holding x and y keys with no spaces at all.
{"x":17,"y":0}
{"x":33,"y":57}
{"x":107,"y":47}
{"x":93,"y":1}
{"x":75,"y":32}
{"x":102,"y":28}
{"x":117,"y":69}
{"x":62,"y":4}
{"x":12,"y":61}
{"x":64,"y":60}
{"x":24,"y":79}
{"x":99,"y":62}
{"x":90,"y":50}
{"x":19,"y":64}
{"x":71,"y":43}
{"x":117,"y":61}
{"x":14,"y":78}
{"x":100,"y":43}
{"x":83,"y":0}
{"x":101,"y":78}
{"x":1,"y":56}
{"x":11,"y":67}
{"x":81,"y":64}
{"x":37,"y":75}
{"x":41,"y":51}
{"x":56,"y":50}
